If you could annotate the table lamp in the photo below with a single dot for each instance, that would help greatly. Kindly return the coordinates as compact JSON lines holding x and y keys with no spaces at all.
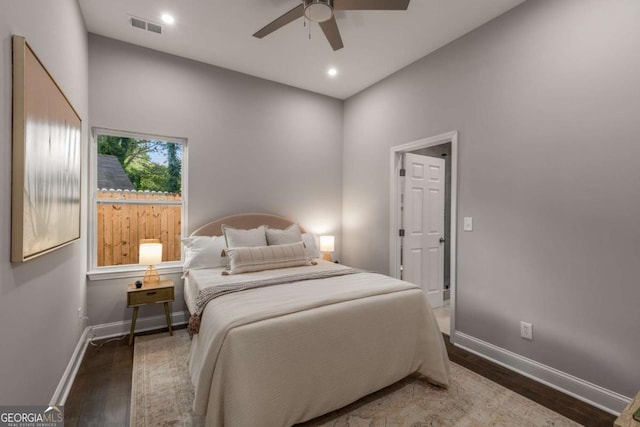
{"x":327,"y":244}
{"x":150,"y":254}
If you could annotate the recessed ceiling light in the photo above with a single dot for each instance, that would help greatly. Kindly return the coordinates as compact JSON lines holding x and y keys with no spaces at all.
{"x":168,"y":19}
{"x":332,"y":72}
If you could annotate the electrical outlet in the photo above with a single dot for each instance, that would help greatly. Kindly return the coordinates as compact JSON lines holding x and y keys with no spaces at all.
{"x":80,"y":313}
{"x":526,"y":330}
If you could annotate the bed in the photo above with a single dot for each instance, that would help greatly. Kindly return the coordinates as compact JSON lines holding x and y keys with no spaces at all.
{"x":283,"y":354}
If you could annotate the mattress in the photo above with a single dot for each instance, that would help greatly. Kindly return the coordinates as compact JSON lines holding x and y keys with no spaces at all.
{"x":284,"y":354}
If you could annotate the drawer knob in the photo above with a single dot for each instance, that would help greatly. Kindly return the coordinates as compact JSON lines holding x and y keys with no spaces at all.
{"x":152,"y":293}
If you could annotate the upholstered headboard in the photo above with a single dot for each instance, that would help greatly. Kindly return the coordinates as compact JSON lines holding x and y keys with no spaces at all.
{"x":245,"y":221}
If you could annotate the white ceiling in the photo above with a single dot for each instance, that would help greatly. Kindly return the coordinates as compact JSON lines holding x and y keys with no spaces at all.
{"x":219,"y":32}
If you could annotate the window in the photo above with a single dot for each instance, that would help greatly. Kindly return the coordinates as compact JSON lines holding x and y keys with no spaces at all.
{"x":137,"y":184}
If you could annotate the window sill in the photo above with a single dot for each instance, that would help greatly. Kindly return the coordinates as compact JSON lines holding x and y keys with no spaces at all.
{"x":108,"y":273}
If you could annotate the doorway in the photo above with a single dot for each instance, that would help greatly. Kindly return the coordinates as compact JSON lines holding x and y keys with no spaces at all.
{"x":444,"y":147}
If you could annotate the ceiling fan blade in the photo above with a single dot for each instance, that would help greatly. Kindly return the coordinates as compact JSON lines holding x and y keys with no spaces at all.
{"x":330,"y":30}
{"x":280,"y":22}
{"x":370,"y":4}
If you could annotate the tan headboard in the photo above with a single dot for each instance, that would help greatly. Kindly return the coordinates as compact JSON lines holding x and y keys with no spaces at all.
{"x":245,"y":221}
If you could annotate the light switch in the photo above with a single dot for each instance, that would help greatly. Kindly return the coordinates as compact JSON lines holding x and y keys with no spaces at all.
{"x":468,"y":223}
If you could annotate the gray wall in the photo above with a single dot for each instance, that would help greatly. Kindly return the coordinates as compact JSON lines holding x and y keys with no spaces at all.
{"x":39,"y":325}
{"x":253,"y":145}
{"x":535,"y":95}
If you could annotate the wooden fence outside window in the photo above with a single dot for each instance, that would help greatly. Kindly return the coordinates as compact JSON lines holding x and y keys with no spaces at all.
{"x":123,"y":222}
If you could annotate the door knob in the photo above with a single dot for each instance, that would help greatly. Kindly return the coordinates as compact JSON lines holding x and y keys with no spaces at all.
{"x":442,"y":240}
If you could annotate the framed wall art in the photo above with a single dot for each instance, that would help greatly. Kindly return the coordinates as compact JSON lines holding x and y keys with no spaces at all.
{"x":46,"y":162}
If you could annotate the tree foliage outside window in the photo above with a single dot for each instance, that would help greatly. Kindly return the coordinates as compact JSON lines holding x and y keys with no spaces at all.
{"x":150,"y":165}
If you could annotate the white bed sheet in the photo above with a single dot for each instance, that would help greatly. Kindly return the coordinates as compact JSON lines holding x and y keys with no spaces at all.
{"x":284,"y":354}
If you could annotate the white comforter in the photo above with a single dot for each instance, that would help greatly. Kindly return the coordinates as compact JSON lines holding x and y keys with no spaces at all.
{"x":284,"y":354}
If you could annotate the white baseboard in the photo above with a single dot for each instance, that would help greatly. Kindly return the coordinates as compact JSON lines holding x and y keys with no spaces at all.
{"x":64,"y":386}
{"x":108,"y":330}
{"x":590,"y":393}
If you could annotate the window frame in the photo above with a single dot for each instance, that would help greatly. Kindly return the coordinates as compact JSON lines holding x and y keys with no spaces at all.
{"x":94,"y":272}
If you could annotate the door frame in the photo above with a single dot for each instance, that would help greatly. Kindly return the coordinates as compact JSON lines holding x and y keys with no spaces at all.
{"x":394,"y":208}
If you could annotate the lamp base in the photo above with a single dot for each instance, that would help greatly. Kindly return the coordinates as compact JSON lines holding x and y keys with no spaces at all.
{"x":151,"y":277}
{"x":327,"y":257}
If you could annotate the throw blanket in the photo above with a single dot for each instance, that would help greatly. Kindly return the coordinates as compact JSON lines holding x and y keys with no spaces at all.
{"x":211,"y":293}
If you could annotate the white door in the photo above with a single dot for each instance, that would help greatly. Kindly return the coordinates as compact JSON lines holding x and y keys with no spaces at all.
{"x":423,"y":224}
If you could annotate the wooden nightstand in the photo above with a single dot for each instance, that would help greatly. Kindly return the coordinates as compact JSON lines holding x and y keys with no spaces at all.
{"x":160,"y":293}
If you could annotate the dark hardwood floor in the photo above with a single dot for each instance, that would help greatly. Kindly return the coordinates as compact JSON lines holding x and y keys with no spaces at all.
{"x":101,"y":393}
{"x":561,"y":403}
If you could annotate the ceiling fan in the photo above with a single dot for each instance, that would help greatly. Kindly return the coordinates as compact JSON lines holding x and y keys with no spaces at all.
{"x":321,"y":11}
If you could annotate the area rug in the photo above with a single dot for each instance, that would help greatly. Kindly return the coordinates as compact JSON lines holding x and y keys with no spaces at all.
{"x":162,"y":394}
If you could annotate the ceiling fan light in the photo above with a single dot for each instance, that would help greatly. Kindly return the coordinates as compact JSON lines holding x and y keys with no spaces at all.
{"x":318,"y":10}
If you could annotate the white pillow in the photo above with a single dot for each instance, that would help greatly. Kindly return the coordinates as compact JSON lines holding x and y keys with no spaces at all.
{"x":246,"y":259}
{"x":203,"y":252}
{"x":291,"y":234}
{"x":309,"y":240}
{"x":239,"y":238}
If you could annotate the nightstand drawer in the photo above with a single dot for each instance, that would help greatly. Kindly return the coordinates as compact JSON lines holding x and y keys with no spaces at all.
{"x":149,"y":295}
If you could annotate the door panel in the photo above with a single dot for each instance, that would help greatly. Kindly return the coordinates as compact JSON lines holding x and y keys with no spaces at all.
{"x":416,"y":263}
{"x":416,"y":211}
{"x":435,"y":209}
{"x":422,"y":251}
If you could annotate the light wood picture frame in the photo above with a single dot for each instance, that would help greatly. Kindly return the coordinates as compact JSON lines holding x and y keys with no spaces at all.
{"x":46,"y":160}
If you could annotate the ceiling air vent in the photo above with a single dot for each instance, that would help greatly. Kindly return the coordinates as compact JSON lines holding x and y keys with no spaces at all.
{"x":154,"y":28}
{"x":138,"y":23}
{"x":145,"y":25}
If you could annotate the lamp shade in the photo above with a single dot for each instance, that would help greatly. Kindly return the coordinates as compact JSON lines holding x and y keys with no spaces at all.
{"x":150,"y":253}
{"x":327,"y":243}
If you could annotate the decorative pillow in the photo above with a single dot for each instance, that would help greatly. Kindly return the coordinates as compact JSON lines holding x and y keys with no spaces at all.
{"x":239,"y":238}
{"x":203,"y":252}
{"x":291,"y":234}
{"x":309,"y":240}
{"x":244,"y":260}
